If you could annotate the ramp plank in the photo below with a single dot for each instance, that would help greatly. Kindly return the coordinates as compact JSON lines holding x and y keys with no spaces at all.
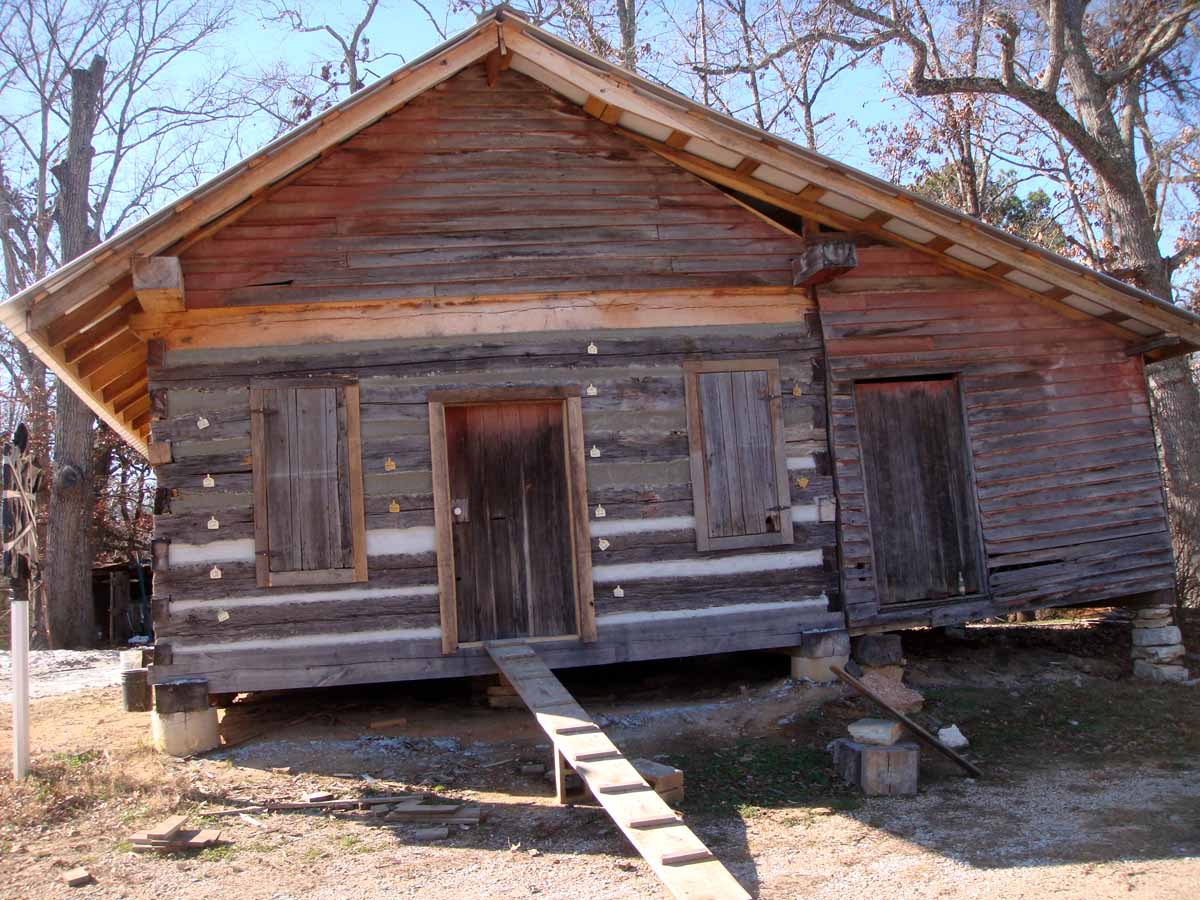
{"x":677,"y":856}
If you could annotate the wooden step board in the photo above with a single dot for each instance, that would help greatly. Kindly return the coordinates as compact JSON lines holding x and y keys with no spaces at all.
{"x":685,"y":865}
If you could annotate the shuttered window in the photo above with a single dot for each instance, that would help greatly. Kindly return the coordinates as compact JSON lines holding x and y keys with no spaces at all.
{"x":739,"y":472}
{"x":308,"y":490}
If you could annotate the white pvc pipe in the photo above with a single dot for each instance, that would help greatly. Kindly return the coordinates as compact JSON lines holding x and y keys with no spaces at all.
{"x":20,"y":687}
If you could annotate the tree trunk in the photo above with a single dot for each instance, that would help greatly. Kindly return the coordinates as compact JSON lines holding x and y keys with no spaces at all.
{"x":1175,"y":399}
{"x":70,"y":616}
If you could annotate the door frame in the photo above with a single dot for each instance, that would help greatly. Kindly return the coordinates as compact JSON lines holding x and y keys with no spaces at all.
{"x":577,"y":498}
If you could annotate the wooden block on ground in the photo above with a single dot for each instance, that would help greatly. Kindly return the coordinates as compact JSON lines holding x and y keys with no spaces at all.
{"x":205,"y":838}
{"x":672,"y":797}
{"x":505,"y":702}
{"x":432,"y":834}
{"x":660,"y":776}
{"x":883,"y":732}
{"x":878,"y":771}
{"x":166,"y":829}
{"x":318,"y":797}
{"x":77,"y":877}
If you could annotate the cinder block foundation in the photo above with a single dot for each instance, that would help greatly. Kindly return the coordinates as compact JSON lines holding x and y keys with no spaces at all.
{"x":811,"y":661}
{"x":182,"y":722}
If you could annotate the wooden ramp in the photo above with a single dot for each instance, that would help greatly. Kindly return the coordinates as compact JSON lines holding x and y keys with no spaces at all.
{"x":685,"y":865}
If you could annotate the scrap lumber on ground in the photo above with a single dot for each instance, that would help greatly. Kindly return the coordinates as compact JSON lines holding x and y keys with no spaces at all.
{"x":168,"y":836}
{"x":920,"y":733}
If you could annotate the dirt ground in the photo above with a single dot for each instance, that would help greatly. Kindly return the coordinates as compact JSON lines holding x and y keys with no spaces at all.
{"x":1091,"y":785}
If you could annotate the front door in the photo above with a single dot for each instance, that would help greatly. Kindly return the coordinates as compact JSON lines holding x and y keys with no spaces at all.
{"x":513,"y":560}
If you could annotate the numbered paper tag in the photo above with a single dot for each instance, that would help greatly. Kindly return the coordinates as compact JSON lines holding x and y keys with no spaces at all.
{"x":214,"y":573}
{"x":213,"y":524}
{"x":618,"y":591}
{"x":802,"y":482}
{"x":600,"y":511}
{"x":604,"y":544}
{"x":594,"y":452}
{"x":593,"y":349}
{"x":222,"y":615}
{"x":202,"y":423}
{"x":393,"y":506}
{"x":209,"y":481}
{"x":796,"y":391}
{"x":590,"y":390}
{"x":389,"y":465}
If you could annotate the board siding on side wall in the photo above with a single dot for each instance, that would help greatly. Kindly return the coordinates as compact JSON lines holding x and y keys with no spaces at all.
{"x":1062,"y":445}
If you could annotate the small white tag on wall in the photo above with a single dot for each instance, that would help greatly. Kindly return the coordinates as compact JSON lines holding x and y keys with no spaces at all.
{"x":209,"y":481}
{"x":591,"y":390}
{"x":222,"y":615}
{"x":593,"y":349}
{"x":600,"y":511}
{"x":604,"y":544}
{"x":618,"y":591}
{"x":213,"y":524}
{"x":594,"y":452}
{"x":202,"y":423}
{"x":214,"y":573}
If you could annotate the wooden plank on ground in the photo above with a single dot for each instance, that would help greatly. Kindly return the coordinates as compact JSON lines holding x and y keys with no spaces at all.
{"x":166,"y":829}
{"x":677,"y":856}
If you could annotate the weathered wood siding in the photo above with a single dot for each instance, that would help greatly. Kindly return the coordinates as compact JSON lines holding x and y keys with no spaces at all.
{"x":478,"y":191}
{"x":243,"y":635}
{"x":1058,"y":423}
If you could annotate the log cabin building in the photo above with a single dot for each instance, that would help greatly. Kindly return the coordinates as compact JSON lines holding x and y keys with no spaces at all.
{"x":514,"y":343}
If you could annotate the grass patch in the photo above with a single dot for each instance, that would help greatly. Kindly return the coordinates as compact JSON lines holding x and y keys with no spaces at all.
{"x":62,"y":786}
{"x":215,"y":854}
{"x":1122,"y":720}
{"x":752,"y":775}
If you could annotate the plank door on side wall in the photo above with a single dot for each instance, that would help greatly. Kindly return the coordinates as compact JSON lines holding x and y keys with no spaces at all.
{"x":513,"y":552}
{"x":920,"y":498}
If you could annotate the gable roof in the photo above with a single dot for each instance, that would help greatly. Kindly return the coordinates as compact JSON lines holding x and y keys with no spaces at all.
{"x":77,"y":319}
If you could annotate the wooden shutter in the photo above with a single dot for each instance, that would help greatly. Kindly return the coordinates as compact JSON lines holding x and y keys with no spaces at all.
{"x":920,"y":499}
{"x":739,"y":472}
{"x":309,"y":523}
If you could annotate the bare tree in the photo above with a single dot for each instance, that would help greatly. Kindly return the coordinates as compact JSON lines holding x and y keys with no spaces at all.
{"x":96,"y":130}
{"x":1111,"y":83}
{"x":747,"y":60}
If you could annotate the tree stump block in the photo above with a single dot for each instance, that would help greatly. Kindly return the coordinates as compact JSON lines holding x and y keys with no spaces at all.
{"x":878,"y":771}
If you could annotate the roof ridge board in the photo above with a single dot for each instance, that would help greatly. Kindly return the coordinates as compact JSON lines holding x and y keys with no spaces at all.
{"x":662,"y":93}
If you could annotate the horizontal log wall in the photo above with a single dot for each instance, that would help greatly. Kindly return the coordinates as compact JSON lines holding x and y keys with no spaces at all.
{"x":1063,"y":450}
{"x":473,"y":190}
{"x":648,"y":571}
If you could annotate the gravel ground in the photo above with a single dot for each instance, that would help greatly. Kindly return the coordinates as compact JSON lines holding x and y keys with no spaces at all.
{"x":1078,"y":801}
{"x":53,"y":672}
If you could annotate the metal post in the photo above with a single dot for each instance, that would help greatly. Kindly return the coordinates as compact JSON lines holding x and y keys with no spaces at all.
{"x":20,"y":681}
